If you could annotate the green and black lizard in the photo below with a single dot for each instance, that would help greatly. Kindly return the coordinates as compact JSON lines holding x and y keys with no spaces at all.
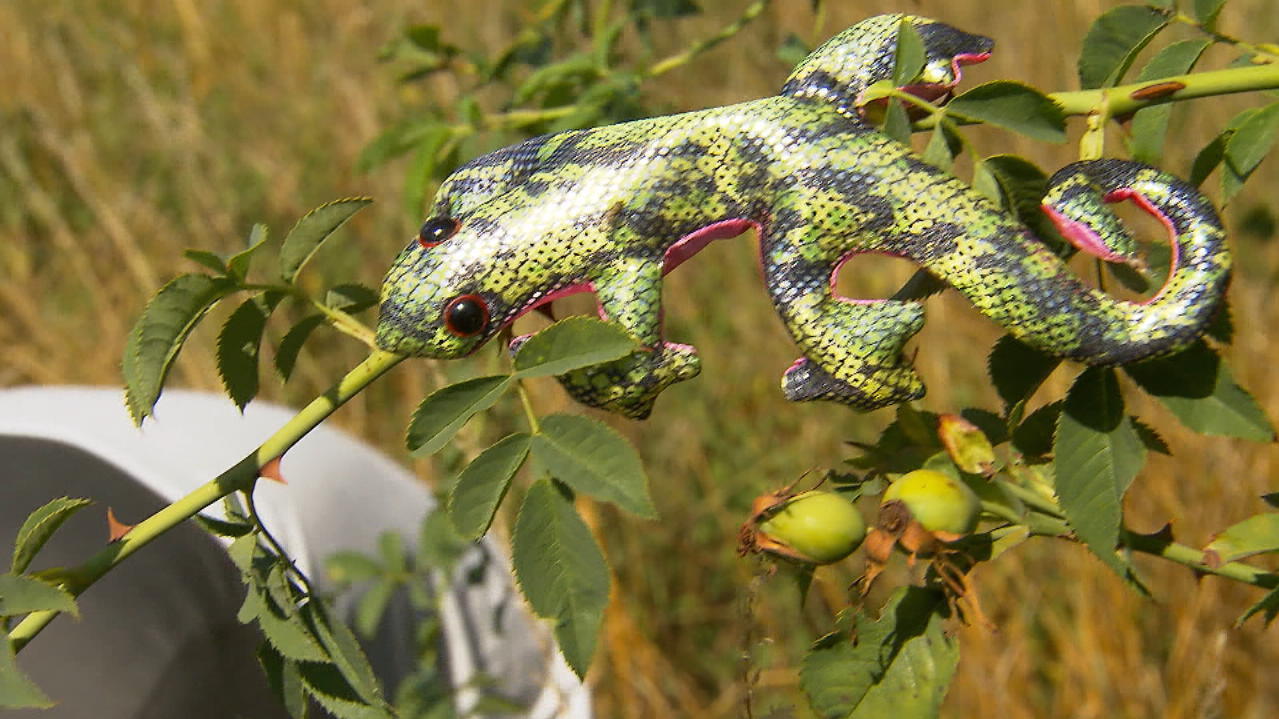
{"x":613,"y":209}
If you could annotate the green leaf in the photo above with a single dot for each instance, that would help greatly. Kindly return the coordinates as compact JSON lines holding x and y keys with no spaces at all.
{"x":21,"y":594}
{"x":1097,"y":453}
{"x":1150,"y":125}
{"x":207,"y":259}
{"x":39,"y":526}
{"x":371,"y":607}
{"x":1149,"y":437}
{"x":341,"y":645}
{"x":286,"y":356}
{"x":1017,"y":369}
{"x":1113,"y":41}
{"x":898,"y":666}
{"x":16,"y":690}
{"x":221,"y":527}
{"x":1268,"y":604}
{"x":238,"y":265}
{"x":908,"y":60}
{"x":284,"y":679}
{"x":1247,"y":147}
{"x":938,"y":152}
{"x":312,"y":230}
{"x":239,"y":345}
{"x":561,"y":571}
{"x":159,"y":333}
{"x":347,"y":567}
{"x":351,"y":297}
{"x":1208,"y":159}
{"x":570,"y":344}
{"x":1207,"y":11}
{"x":439,"y":545}
{"x":793,"y":50}
{"x":590,"y":457}
{"x":291,"y":636}
{"x":1013,"y":106}
{"x":447,"y":409}
{"x":482,"y":485}
{"x":897,"y":121}
{"x":331,"y":690}
{"x":1196,"y":386}
{"x":1255,"y":535}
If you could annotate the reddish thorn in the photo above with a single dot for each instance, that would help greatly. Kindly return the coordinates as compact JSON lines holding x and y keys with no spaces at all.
{"x":271,"y":471}
{"x":115,"y":528}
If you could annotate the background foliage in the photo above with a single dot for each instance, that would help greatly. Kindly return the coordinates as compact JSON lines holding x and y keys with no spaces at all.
{"x":133,"y":131}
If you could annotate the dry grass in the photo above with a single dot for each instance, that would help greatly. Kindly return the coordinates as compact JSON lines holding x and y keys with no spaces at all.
{"x":131,"y":130}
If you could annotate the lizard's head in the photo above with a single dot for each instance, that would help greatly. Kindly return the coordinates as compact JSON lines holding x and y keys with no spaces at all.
{"x":946,"y":51}
{"x":440,"y":298}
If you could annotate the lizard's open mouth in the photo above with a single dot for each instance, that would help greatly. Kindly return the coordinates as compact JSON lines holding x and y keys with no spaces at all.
{"x":940,"y":92}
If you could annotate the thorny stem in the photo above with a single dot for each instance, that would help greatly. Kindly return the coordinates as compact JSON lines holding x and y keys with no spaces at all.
{"x":240,"y":477}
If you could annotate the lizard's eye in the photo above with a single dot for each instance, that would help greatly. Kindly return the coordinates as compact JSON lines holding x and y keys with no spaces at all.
{"x":466,"y":315}
{"x":436,"y":230}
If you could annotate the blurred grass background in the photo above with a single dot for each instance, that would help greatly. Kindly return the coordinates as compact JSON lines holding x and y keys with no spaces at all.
{"x":130,"y":130}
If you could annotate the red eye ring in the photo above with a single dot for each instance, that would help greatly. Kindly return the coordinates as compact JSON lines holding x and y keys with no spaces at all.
{"x":436,"y":230}
{"x":466,"y":315}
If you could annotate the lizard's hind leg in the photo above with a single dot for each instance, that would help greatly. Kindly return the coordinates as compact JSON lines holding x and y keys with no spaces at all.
{"x":853,"y":349}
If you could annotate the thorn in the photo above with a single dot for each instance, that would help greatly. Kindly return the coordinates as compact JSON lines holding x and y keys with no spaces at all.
{"x":271,"y":471}
{"x":115,"y":528}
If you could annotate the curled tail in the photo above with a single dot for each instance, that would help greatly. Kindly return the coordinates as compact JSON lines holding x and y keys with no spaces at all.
{"x":1041,"y":303}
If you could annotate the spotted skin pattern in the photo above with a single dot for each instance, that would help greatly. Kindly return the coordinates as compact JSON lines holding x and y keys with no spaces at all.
{"x":612,"y":209}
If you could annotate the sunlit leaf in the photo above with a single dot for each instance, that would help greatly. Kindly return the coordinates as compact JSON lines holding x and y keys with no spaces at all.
{"x":1014,"y":106}
{"x":447,"y":409}
{"x":1207,"y":11}
{"x":1097,"y":453}
{"x":39,"y":526}
{"x":572,"y":343}
{"x":1247,"y":147}
{"x":482,"y":485}
{"x":1113,"y":41}
{"x":908,"y":59}
{"x":21,"y":594}
{"x":1197,"y":386}
{"x":1255,"y":535}
{"x":593,"y":459}
{"x":239,"y":263}
{"x":159,"y":333}
{"x":16,"y":690}
{"x":312,"y":230}
{"x":1150,"y":124}
{"x":561,"y":571}
{"x":344,"y":650}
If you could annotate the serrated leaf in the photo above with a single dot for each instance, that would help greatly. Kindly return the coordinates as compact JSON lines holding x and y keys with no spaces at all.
{"x":239,"y":263}
{"x":1149,"y":437}
{"x":1197,"y":386}
{"x":570,"y":344}
{"x":158,"y":335}
{"x":351,"y":297}
{"x":908,"y":59}
{"x":1097,"y":453}
{"x":16,"y":690}
{"x":22,"y":594}
{"x":284,"y":679}
{"x":482,"y":485}
{"x":990,"y":423}
{"x":343,"y":648}
{"x":330,"y":689}
{"x":1255,"y":535}
{"x":447,"y":409}
{"x":1207,"y":159}
{"x":1207,"y":11}
{"x":240,"y":344}
{"x":1269,"y":604}
{"x":1017,"y":369}
{"x":286,"y":356}
{"x":207,"y":259}
{"x":897,"y":121}
{"x":39,"y":526}
{"x":590,"y":457}
{"x":937,"y":153}
{"x":561,"y":571}
{"x":312,"y":230}
{"x":1113,"y":41}
{"x":1247,"y":147}
{"x":1019,"y":186}
{"x":291,"y":636}
{"x":903,"y":658}
{"x":1013,"y":106}
{"x":1150,"y":124}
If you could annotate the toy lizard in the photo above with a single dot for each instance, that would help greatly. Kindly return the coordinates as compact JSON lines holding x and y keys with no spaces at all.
{"x":613,"y":209}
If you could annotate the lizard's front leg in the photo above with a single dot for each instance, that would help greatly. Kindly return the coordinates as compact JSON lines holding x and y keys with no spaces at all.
{"x":630,"y":294}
